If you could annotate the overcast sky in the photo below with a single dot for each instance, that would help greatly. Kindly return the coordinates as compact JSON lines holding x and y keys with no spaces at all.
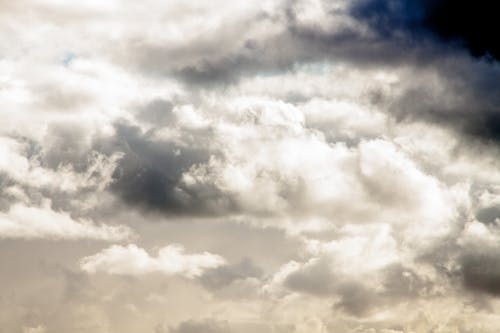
{"x":273,"y":166}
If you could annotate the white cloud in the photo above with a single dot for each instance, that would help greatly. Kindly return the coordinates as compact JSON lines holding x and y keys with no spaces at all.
{"x":133,"y":260}
{"x":28,"y":171}
{"x":359,"y":253}
{"x":272,"y":163}
{"x":344,"y":119}
{"x":30,"y":222}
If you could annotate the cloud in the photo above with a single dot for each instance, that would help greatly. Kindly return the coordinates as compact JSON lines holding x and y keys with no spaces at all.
{"x":150,"y":173}
{"x":395,"y":35}
{"x":477,"y":263}
{"x":444,"y":19}
{"x":361,"y":275}
{"x":158,"y":112}
{"x":133,"y":260}
{"x":31,"y":222}
{"x":346,"y":150}
{"x":481,"y":272}
{"x":359,"y":252}
{"x":239,"y":280}
{"x":277,"y":167}
{"x":62,"y":167}
{"x":271,"y":38}
{"x":489,"y":215}
{"x":437,"y":29}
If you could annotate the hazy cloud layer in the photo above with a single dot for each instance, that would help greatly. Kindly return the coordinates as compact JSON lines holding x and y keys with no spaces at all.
{"x":281,"y":166}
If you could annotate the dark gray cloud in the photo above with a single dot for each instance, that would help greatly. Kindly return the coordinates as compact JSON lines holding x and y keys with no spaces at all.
{"x":480,"y":270}
{"x":466,"y":102}
{"x":150,"y":174}
{"x":488,"y":215}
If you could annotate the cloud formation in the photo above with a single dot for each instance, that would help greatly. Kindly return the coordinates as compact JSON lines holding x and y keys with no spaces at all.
{"x":132,"y":260}
{"x":42,"y":222}
{"x":327,"y":166}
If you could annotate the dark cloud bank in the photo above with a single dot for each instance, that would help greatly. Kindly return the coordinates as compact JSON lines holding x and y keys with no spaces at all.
{"x":465,"y":23}
{"x":451,"y":25}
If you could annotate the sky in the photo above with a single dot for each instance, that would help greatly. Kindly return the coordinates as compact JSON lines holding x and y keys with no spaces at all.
{"x":273,"y":166}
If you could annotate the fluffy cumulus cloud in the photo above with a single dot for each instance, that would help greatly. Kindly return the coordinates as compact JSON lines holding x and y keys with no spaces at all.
{"x":313,"y":166}
{"x":132,"y":260}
